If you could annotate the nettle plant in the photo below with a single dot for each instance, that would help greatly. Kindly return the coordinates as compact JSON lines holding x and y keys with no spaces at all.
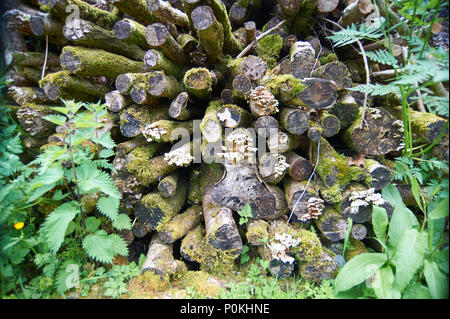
{"x":76,"y":169}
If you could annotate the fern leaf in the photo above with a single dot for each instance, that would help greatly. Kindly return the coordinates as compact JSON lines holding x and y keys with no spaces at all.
{"x":55,"y":225}
{"x":383,"y":57}
{"x":105,"y":140}
{"x":103,"y":247}
{"x":376,"y":89}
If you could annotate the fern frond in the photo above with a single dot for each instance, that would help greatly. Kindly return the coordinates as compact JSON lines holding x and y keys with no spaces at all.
{"x":383,"y":57}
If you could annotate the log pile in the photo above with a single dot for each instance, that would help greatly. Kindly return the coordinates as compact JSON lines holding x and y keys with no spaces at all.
{"x":205,"y":125}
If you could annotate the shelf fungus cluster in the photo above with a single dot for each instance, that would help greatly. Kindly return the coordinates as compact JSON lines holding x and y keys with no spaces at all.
{"x":215,"y":105}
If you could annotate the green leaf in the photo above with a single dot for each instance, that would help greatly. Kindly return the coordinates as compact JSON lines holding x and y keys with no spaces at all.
{"x":60,"y":109}
{"x":109,"y":206}
{"x":392,"y":195}
{"x":436,"y":280}
{"x":408,"y":256}
{"x":440,"y":211}
{"x":105,"y":153}
{"x":380,"y":222}
{"x":382,"y":283}
{"x":415,"y":189}
{"x":105,"y":140}
{"x":91,"y":179}
{"x":358,"y":269}
{"x":122,"y":222}
{"x":92,"y":224}
{"x":441,"y":259}
{"x":435,"y":229}
{"x":50,"y":176}
{"x":38,"y":192}
{"x":402,"y":220}
{"x":55,"y":225}
{"x":57,"y":119}
{"x":382,"y":56}
{"x":103,"y":247}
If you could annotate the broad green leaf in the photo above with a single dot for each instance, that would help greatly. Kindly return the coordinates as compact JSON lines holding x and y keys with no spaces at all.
{"x":402,"y":219}
{"x":60,"y":109}
{"x":441,"y":259}
{"x":416,"y":291}
{"x":436,"y":280}
{"x":50,"y":176}
{"x":380,"y":222}
{"x":91,"y":179}
{"x":56,"y":119}
{"x":408,"y":256}
{"x":109,"y":206}
{"x":55,"y":225}
{"x":392,"y":195}
{"x":38,"y":192}
{"x":358,"y":269}
{"x":103,"y":247}
{"x":105,"y":140}
{"x":92,"y":224}
{"x":435,"y":229}
{"x":105,"y":153}
{"x":382,"y":283}
{"x":415,"y":189}
{"x":122,"y":222}
{"x":440,"y":211}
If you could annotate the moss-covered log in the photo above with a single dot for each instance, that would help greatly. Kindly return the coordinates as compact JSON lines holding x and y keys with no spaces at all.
{"x":163,"y":86}
{"x":331,"y":224}
{"x":283,"y":142}
{"x":181,"y":224}
{"x":95,"y":62}
{"x":380,"y":134}
{"x":166,"y":130}
{"x":210,"y":32}
{"x":26,"y":95}
{"x":315,"y":131}
{"x":321,"y":268}
{"x":163,"y":11}
{"x":168,"y":185}
{"x":116,"y":101}
{"x":46,"y":24}
{"x":155,"y":211}
{"x":357,"y":248}
{"x":62,"y":84}
{"x":330,"y":124}
{"x":159,"y":38}
{"x":131,"y":31}
{"x":380,"y":175}
{"x":158,"y":62}
{"x":134,"y":118}
{"x":257,"y":232}
{"x":122,"y":149}
{"x":345,"y":109}
{"x":295,"y":121}
{"x":210,"y":126}
{"x":336,"y":72}
{"x":34,"y":59}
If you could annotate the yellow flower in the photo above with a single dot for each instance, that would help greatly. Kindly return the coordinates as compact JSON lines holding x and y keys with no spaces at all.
{"x":19,"y":225}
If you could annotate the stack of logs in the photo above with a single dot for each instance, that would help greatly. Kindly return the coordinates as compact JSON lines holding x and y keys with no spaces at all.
{"x":161,"y":65}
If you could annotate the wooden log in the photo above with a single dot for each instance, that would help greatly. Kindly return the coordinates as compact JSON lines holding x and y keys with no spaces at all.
{"x":272,"y":167}
{"x":238,"y":14}
{"x":345,"y":109}
{"x":221,"y":230}
{"x":131,"y":31}
{"x":46,"y":24}
{"x":253,"y":67}
{"x":322,"y":268}
{"x":358,"y":231}
{"x":336,"y":72}
{"x":155,"y":211}
{"x":301,"y":23}
{"x":425,"y":125}
{"x":257,"y":232}
{"x":266,"y":125}
{"x":124,"y":82}
{"x":63,"y":8}
{"x":295,"y":121}
{"x":18,"y":20}
{"x":289,"y":7}
{"x":241,"y":85}
{"x":283,"y":142}
{"x":202,"y":179}
{"x":181,"y":224}
{"x":158,"y":62}
{"x":227,"y":96}
{"x":306,"y":208}
{"x":380,"y":175}
{"x":210,"y":126}
{"x":27,"y":95}
{"x":178,"y":108}
{"x":318,"y":94}
{"x":187,"y":42}
{"x":57,"y":85}
{"x":168,"y":185}
{"x":250,"y":32}
{"x":210,"y":32}
{"x":116,"y":101}
{"x":139,"y":230}
{"x":34,"y":59}
{"x":355,"y":12}
{"x":334,"y":171}
{"x":139,"y":95}
{"x":95,"y":62}
{"x":192,"y":244}
{"x":330,"y":124}
{"x":163,"y":86}
{"x":199,"y":82}
{"x":11,"y":42}
{"x":122,"y":149}
{"x":16,"y":77}
{"x":188,"y":7}
{"x":158,"y":37}
{"x":240,"y":184}
{"x":299,"y":167}
{"x":231,"y":44}
{"x":163,"y":11}
{"x":331,"y":224}
{"x":327,"y":6}
{"x":88,"y":34}
{"x":381,"y":135}
{"x":133,"y":119}
{"x":233,"y":116}
{"x":160,"y":260}
{"x":31,"y":120}
{"x":162,"y":130}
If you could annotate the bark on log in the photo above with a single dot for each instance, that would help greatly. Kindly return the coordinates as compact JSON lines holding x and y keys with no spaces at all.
{"x":181,"y":224}
{"x":266,"y":125}
{"x":31,"y":120}
{"x":131,"y":31}
{"x":95,"y":62}
{"x":357,"y":248}
{"x":124,"y":148}
{"x":210,"y":126}
{"x":158,"y":62}
{"x":283,"y":142}
{"x":336,"y":72}
{"x":168,"y":185}
{"x":345,"y":109}
{"x":133,"y":119}
{"x":163,"y":11}
{"x":116,"y":101}
{"x":301,"y":209}
{"x":238,"y":14}
{"x":62,"y":84}
{"x":34,"y":59}
{"x":163,"y":86}
{"x":154,"y":211}
{"x":327,"y":6}
{"x":187,"y":42}
{"x":330,"y":124}
{"x":27,"y":95}
{"x":257,"y":232}
{"x":299,"y":167}
{"x":46,"y":24}
{"x":202,"y":179}
{"x":165,"y":130}
{"x":322,"y":268}
{"x":158,"y":37}
{"x":332,"y":225}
